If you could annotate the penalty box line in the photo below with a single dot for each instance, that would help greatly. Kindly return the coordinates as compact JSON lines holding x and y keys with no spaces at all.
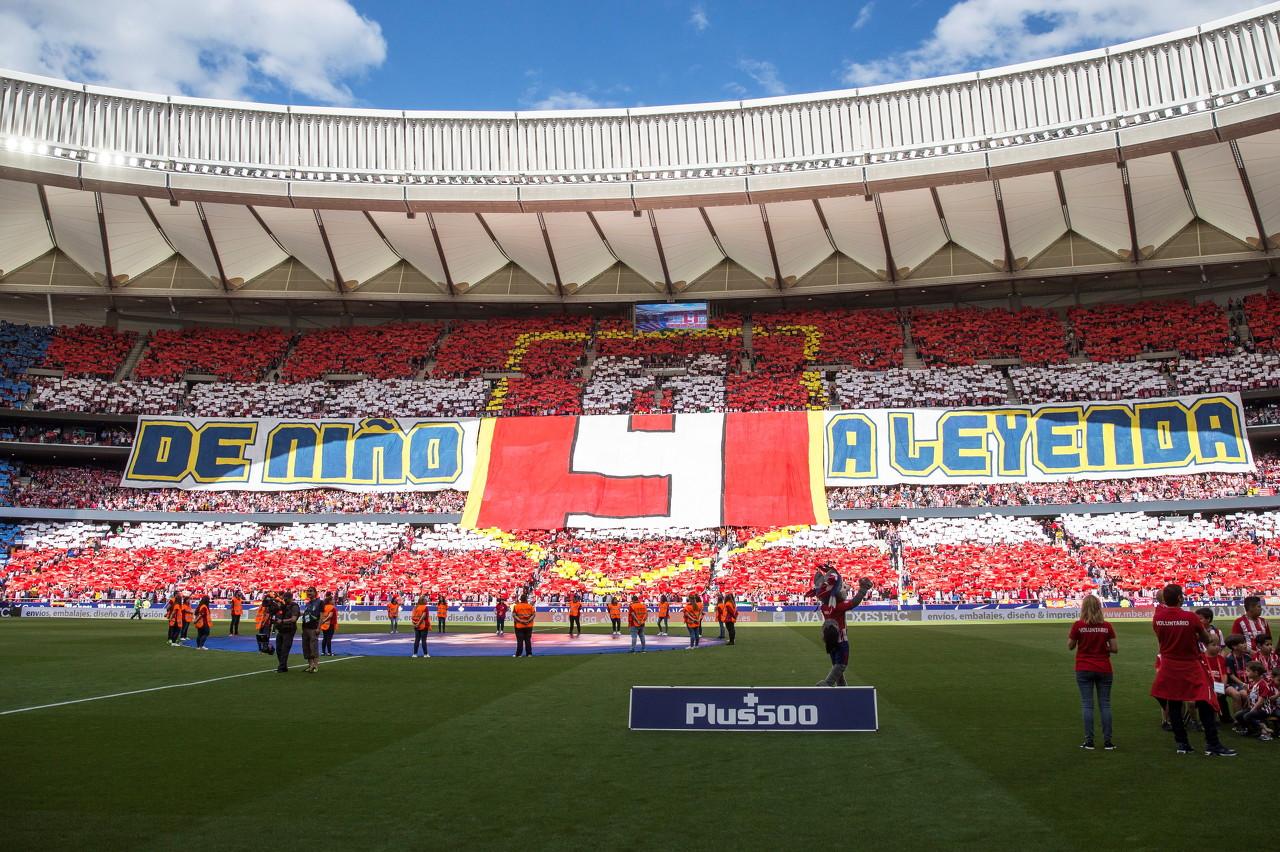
{"x":157,"y":688}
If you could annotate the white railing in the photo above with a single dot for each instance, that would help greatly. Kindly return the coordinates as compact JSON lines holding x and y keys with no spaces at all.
{"x":1197,"y":70}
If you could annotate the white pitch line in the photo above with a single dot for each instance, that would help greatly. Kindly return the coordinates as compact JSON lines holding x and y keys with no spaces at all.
{"x":156,"y":688}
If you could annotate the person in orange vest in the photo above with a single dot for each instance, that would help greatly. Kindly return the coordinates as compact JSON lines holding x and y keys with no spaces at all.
{"x":237,"y":610}
{"x":730,"y":616}
{"x":421,"y":618}
{"x":393,"y":614}
{"x":575,"y":615}
{"x":262,"y":621}
{"x":664,"y":615}
{"x":173,"y":611}
{"x":204,"y":623}
{"x":637,"y":615}
{"x":524,"y":616}
{"x":615,"y":615}
{"x":720,"y":614}
{"x":692,"y":613}
{"x":188,"y":616}
{"x":328,"y":625}
{"x":500,"y":616}
{"x":442,"y":612}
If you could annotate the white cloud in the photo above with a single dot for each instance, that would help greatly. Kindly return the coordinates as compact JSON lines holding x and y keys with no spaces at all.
{"x":765,"y":75}
{"x":215,"y":48}
{"x":986,"y":33}
{"x":698,"y":18}
{"x":560,"y":99}
{"x":864,"y":15}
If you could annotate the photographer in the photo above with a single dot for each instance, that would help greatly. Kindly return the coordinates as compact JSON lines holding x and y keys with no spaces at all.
{"x":311,"y":630}
{"x":286,"y":624}
{"x":263,"y":619}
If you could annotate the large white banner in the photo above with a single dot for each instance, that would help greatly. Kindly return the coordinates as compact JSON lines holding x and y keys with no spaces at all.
{"x":274,"y":454}
{"x":1037,"y":443}
{"x":739,"y":468}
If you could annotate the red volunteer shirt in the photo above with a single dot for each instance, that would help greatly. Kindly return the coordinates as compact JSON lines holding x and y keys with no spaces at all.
{"x":1091,"y":646}
{"x":1178,"y":633}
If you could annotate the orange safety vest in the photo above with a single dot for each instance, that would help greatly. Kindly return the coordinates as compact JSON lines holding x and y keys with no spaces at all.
{"x":719,"y":612}
{"x":692,"y":614}
{"x":174,"y":611}
{"x":615,"y":610}
{"x":637,"y":615}
{"x":421,"y":619}
{"x":393,"y":609}
{"x":442,"y":610}
{"x":203,"y":618}
{"x":523,"y":614}
{"x":730,"y":612}
{"x":329,"y":617}
{"x":664,"y":609}
{"x":575,"y":608}
{"x":237,"y":606}
{"x":261,"y":617}
{"x":187,"y":613}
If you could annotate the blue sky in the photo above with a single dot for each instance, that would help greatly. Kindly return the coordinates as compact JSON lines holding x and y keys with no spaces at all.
{"x":554,"y":53}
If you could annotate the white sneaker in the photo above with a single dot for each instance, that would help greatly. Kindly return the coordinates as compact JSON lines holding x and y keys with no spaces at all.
{"x":426,"y":656}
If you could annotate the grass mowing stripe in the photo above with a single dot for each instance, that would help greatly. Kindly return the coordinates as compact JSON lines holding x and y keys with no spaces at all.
{"x":155,"y":689}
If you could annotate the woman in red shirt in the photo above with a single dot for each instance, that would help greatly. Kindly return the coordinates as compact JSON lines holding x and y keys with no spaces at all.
{"x":1182,"y":676}
{"x":1094,"y":641}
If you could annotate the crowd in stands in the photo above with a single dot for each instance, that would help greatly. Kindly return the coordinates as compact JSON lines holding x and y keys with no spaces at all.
{"x":1122,"y":331}
{"x":961,"y":337}
{"x":229,"y":354}
{"x":100,"y":397}
{"x":21,"y":346}
{"x":1241,"y":371}
{"x":933,"y":560}
{"x":88,"y":350}
{"x":392,"y":351}
{"x":1070,"y":382}
{"x":57,"y":433}
{"x":943,"y":386}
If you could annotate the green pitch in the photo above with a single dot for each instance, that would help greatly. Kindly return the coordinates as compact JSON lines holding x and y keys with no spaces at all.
{"x":978,"y":749}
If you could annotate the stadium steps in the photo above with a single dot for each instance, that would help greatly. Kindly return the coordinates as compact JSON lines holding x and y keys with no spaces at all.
{"x":131,"y":360}
{"x":910,"y":355}
{"x":1013,"y":397}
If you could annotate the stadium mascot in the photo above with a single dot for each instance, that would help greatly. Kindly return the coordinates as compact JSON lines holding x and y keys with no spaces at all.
{"x":833,"y":598}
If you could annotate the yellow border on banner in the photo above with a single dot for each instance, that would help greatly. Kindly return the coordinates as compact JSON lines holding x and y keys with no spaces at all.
{"x":817,"y":468}
{"x":484,"y":442}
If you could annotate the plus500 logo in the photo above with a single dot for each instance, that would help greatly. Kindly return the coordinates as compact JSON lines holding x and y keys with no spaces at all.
{"x":766,"y":715}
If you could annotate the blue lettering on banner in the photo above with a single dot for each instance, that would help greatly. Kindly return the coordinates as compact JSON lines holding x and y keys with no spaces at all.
{"x":767,"y":708}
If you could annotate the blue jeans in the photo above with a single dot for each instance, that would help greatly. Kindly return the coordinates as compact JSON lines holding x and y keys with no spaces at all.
{"x":1088,"y":681}
{"x":637,"y":631}
{"x":695,"y":636}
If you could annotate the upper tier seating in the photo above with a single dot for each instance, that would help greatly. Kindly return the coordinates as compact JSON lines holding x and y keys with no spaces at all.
{"x":1262,"y":313}
{"x":391,"y":351}
{"x":473,"y":347}
{"x":102,"y":397}
{"x":231,"y":354}
{"x":722,"y":337}
{"x":88,"y":350}
{"x":863,"y":339}
{"x":21,"y":346}
{"x":1119,"y":332}
{"x":964,"y":336}
{"x":1239,"y":372}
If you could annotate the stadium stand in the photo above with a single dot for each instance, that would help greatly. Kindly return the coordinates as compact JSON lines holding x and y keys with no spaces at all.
{"x":96,"y":396}
{"x":230,"y":354}
{"x":864,"y":339}
{"x":1121,"y":331}
{"x":1070,"y":382}
{"x":57,"y":433}
{"x":391,"y":351}
{"x":943,"y":386}
{"x":21,"y":346}
{"x":960,"y":337}
{"x":88,"y":350}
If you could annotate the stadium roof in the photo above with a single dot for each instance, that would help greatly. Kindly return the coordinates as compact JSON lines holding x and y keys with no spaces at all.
{"x":1155,"y":154}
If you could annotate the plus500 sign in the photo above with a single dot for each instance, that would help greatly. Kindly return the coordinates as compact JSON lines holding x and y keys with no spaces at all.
{"x":754,"y":714}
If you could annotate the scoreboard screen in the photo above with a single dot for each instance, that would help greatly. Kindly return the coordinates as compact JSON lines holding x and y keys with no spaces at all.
{"x":671,"y":316}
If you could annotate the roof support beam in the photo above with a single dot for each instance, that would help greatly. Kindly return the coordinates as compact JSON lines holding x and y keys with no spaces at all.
{"x":1186,"y":187}
{"x":706,"y":220}
{"x":890,"y":267}
{"x":942,"y":217}
{"x":106,"y":243}
{"x":1128,"y":211}
{"x":603,"y":239}
{"x":444,"y":262}
{"x":551,"y":254}
{"x":1062,"y":199}
{"x":493,"y":238}
{"x":328,"y":250}
{"x":44,"y":209}
{"x":662,"y":255}
{"x":213,"y":247}
{"x":773,"y":253}
{"x":1004,"y":228}
{"x":826,"y":229}
{"x":1248,"y":194}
